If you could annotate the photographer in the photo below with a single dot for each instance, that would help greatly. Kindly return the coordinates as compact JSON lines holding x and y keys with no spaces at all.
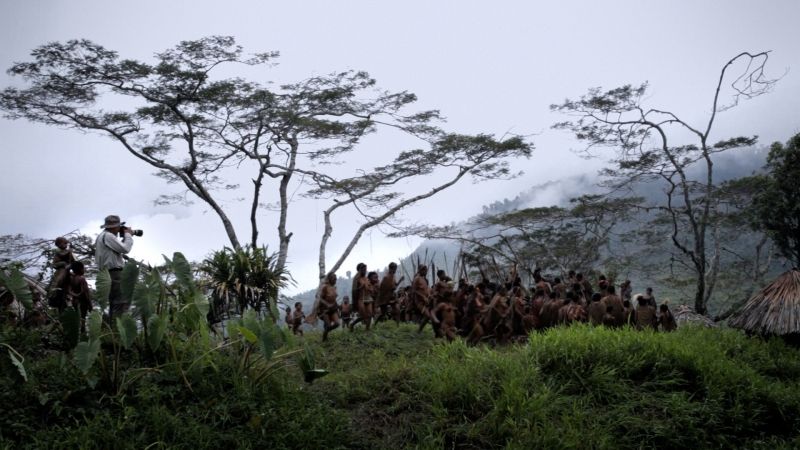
{"x":108,"y":253}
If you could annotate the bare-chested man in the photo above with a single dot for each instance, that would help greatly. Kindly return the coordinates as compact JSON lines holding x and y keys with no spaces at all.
{"x":629,"y":314}
{"x":367,"y":290}
{"x":602,"y":284}
{"x":473,"y":317}
{"x":572,"y":311}
{"x":356,"y":290}
{"x":645,"y":315}
{"x":499,"y":316}
{"x":559,"y":288}
{"x":541,"y":283}
{"x":346,"y":310}
{"x":403,"y":304}
{"x":328,"y":309}
{"x":447,"y":324}
{"x":538,"y":300}
{"x":297,"y":318}
{"x":548,"y":315}
{"x":618,"y":309}
{"x":651,"y":299}
{"x":460,"y":302}
{"x":387,"y":297}
{"x":666,"y":320}
{"x":626,"y":291}
{"x":596,"y":309}
{"x":586,"y":286}
{"x":421,"y":295}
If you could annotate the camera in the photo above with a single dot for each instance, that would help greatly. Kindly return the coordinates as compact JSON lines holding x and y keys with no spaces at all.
{"x":133,"y":232}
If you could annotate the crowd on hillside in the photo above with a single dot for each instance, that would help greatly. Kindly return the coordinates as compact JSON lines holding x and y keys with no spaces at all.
{"x":501,"y":310}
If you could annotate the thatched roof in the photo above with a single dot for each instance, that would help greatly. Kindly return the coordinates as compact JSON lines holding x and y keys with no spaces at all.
{"x":773,"y":310}
{"x":685,"y":314}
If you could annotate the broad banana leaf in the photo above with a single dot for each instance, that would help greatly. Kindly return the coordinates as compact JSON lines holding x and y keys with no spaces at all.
{"x":183,"y":272}
{"x":126,"y":326}
{"x":156,"y":327}
{"x":18,"y":287}
{"x":102,"y":288}
{"x":128,"y":279}
{"x":145,"y":297}
{"x":86,"y":354}
{"x":95,"y":322}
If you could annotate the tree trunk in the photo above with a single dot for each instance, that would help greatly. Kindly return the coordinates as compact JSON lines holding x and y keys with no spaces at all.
{"x":283,"y":236}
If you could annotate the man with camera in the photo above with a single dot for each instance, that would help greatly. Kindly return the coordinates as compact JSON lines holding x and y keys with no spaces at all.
{"x":109,"y":251}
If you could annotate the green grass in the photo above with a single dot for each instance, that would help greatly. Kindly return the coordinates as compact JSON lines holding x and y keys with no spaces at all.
{"x":577,"y":387}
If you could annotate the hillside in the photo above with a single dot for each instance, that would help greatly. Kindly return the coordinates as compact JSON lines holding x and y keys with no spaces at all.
{"x":577,"y":387}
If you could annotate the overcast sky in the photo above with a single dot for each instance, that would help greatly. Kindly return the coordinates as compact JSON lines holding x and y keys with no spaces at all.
{"x":490,"y":67}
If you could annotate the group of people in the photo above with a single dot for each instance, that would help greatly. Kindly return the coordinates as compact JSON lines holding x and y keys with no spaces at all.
{"x":68,"y":285}
{"x":502,"y":311}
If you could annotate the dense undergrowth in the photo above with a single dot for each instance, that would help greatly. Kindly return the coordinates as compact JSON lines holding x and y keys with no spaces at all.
{"x":577,"y":387}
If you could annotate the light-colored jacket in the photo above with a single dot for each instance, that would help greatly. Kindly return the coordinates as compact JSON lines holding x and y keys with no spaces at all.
{"x":109,"y":250}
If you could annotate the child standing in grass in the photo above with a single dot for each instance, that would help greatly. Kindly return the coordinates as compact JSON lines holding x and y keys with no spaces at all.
{"x":79,"y":293}
{"x":666,"y":319}
{"x":297,"y":318}
{"x":288,"y":319}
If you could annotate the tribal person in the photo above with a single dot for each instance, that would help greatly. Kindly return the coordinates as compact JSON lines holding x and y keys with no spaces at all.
{"x":357,"y":291}
{"x":559,"y":288}
{"x":474,"y":315}
{"x":346,"y":310}
{"x":297,"y":318}
{"x":666,"y":320}
{"x":328,"y":309}
{"x":447,"y":324}
{"x":421,"y":295}
{"x":645,"y":315}
{"x":499,"y":316}
{"x":596,"y":309}
{"x":62,"y":259}
{"x":651,"y":299}
{"x":586,"y":286}
{"x":387,"y":296}
{"x":78,"y":292}
{"x":617,"y":308}
{"x":367,"y":290}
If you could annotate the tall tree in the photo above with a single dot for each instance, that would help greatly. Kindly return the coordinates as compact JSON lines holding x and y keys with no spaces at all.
{"x":376,"y":197}
{"x":177,"y":115}
{"x":777,"y":204}
{"x":642,"y":140}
